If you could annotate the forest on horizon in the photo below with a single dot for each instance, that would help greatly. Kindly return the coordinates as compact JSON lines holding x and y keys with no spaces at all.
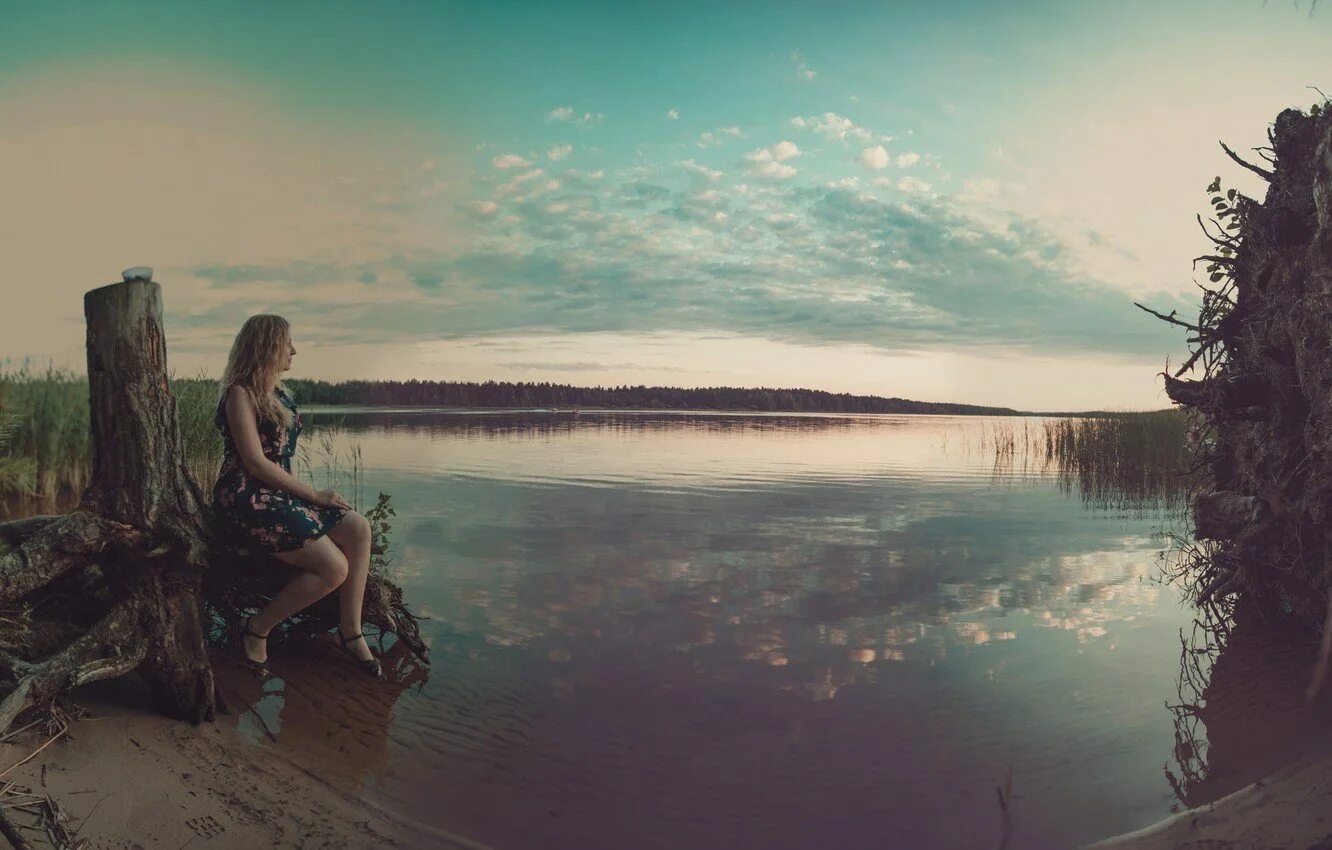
{"x":545,"y":394}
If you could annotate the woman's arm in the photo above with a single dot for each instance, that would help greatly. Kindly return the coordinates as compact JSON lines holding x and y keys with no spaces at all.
{"x":245,"y":433}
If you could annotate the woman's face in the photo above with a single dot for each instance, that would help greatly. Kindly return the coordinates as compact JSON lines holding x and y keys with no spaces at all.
{"x":291,"y":352}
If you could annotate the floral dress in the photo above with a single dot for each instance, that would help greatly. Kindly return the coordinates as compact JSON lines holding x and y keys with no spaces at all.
{"x":259,"y":517}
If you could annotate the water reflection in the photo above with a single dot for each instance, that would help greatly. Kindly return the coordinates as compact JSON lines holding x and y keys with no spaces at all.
{"x":1241,"y":712}
{"x":660,"y":630}
{"x":319,"y":711}
{"x":793,"y":631}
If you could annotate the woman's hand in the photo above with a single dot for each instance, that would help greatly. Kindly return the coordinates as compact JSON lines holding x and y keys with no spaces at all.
{"x":330,"y":499}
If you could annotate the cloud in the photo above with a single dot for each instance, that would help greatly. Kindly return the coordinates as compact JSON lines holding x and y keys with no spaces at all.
{"x":703,"y":171}
{"x":558,"y":152}
{"x":836,"y":127}
{"x":809,"y":265}
{"x":434,"y":189}
{"x":906,"y":160}
{"x":802,"y":69}
{"x":509,"y":160}
{"x":769,"y":163}
{"x":875,"y":158}
{"x":912,"y":186}
{"x":298,"y":273}
{"x":714,"y":138}
{"x":566,"y":114}
{"x":520,"y":182}
{"x":672,"y":114}
{"x":281,"y":189}
{"x":779,"y":152}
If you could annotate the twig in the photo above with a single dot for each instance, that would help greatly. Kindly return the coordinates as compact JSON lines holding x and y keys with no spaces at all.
{"x":31,"y":754}
{"x":10,"y":830}
{"x":1171,"y":318}
{"x":1261,"y":172}
{"x":88,"y":816}
{"x":1005,"y":813}
{"x":1222,"y":240}
{"x":8,"y":735}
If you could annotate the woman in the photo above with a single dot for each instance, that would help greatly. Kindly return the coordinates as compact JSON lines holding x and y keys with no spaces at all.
{"x":272,"y":511}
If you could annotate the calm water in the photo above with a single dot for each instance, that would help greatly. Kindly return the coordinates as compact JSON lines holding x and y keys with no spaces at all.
{"x":713,"y":631}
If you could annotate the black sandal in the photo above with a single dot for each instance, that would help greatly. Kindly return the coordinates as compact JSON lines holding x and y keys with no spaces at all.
{"x":370,"y":665}
{"x":243,"y":628}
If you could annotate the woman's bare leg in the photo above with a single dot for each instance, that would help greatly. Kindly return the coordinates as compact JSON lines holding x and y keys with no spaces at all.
{"x":323,"y":567}
{"x":352,"y":536}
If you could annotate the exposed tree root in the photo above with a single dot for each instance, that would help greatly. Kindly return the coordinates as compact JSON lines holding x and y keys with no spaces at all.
{"x":1263,"y":342}
{"x":54,"y":548}
{"x":113,"y":647}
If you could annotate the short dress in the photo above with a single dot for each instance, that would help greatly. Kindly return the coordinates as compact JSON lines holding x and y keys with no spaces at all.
{"x":257,"y":516}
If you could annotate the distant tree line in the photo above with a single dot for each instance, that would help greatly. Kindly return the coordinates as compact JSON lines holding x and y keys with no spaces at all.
{"x":544,"y":394}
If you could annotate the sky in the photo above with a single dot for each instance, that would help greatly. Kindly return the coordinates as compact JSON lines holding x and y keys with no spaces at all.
{"x":946,"y":202}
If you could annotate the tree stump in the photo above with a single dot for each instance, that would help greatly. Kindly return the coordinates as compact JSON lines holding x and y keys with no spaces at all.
{"x":135,"y":577}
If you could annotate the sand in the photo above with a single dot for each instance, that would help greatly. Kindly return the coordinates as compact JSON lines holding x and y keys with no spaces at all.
{"x":129,"y":778}
{"x":1291,"y":808}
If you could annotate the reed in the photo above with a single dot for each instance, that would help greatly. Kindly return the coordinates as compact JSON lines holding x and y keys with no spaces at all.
{"x":46,"y":449}
{"x":1123,"y":461}
{"x":200,"y":441}
{"x":48,"y":445}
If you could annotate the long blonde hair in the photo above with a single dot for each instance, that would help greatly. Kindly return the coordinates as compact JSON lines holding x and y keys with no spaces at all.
{"x":255,"y":362}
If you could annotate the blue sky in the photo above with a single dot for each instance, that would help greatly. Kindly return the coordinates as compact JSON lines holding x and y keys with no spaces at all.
{"x":939,"y":201}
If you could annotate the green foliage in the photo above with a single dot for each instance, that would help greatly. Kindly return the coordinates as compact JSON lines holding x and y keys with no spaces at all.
{"x":379,"y":536}
{"x":48,"y":443}
{"x":17,"y":474}
{"x":200,"y":441}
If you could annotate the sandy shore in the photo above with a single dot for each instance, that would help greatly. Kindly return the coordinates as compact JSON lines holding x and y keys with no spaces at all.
{"x":1291,"y":808}
{"x":129,"y":778}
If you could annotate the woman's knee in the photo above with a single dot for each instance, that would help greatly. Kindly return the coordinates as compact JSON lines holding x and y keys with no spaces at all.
{"x":334,"y":569}
{"x":352,"y":528}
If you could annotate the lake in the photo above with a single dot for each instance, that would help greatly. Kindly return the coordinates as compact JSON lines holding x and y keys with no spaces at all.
{"x":722,"y":630}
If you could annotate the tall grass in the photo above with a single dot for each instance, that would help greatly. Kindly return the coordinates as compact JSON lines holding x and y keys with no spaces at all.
{"x":46,"y":449}
{"x":200,"y":441}
{"x":1125,"y":461}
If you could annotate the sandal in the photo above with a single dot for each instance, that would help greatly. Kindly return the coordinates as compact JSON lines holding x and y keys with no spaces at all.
{"x":369,"y":665}
{"x":242,"y":628}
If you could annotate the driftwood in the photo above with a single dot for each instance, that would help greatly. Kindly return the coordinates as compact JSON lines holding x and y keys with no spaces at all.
{"x":139,"y":575}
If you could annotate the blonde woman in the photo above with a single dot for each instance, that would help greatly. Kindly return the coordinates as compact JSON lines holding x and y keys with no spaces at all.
{"x":269,"y":509}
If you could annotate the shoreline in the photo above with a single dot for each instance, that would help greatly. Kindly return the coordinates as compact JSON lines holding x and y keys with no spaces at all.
{"x":1287,"y":808}
{"x":129,"y":778}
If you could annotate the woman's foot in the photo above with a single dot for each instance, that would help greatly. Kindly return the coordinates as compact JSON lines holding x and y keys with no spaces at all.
{"x":256,"y":644}
{"x":355,"y":646}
